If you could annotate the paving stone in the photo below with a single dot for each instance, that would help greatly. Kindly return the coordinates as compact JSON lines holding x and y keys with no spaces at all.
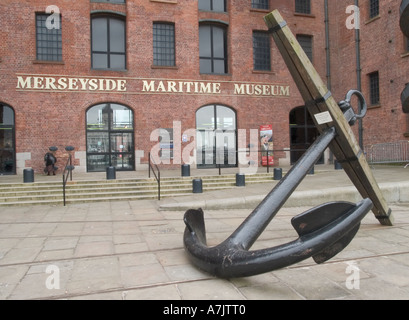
{"x":10,"y":276}
{"x":309,"y":284}
{"x":60,"y":243}
{"x":165,"y":292}
{"x":132,"y":250}
{"x":214,"y":289}
{"x":142,"y":275}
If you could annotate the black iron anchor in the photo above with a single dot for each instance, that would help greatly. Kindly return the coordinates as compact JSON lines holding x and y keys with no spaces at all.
{"x":323,"y":231}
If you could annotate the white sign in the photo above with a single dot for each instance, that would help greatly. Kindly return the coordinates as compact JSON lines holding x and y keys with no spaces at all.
{"x":324,"y":117}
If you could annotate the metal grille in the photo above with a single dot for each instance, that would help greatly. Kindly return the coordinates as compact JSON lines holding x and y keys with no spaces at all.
{"x":163,"y":44}
{"x":373,"y":8}
{"x":259,"y":4}
{"x":303,"y":6}
{"x":374,"y":88}
{"x":49,"y":41}
{"x":392,"y":152}
{"x":261,"y":51}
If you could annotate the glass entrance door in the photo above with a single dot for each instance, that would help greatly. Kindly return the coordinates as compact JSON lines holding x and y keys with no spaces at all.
{"x":110,"y":137}
{"x":216,"y":137}
{"x":7,"y":145}
{"x":122,"y":146}
{"x":206,"y":148}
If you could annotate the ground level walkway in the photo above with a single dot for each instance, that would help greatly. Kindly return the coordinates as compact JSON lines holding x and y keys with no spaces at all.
{"x":133,"y":250}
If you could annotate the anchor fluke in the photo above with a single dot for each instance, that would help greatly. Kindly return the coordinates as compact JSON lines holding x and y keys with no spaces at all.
{"x":194,"y":221}
{"x":313,"y":220}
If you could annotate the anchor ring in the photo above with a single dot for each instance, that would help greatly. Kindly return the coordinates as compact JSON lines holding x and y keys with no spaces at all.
{"x":364,"y":106}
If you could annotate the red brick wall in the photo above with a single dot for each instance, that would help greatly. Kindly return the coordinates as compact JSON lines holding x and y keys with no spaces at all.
{"x":382,"y":49}
{"x":46,"y":119}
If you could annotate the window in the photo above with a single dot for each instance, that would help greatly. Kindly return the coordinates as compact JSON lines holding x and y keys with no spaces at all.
{"x":303,"y":6}
{"x":48,"y":38}
{"x":260,"y":4}
{"x":373,"y":8}
{"x":164,"y":44}
{"x":108,"y":43}
{"x":407,"y":43}
{"x":374,"y":88}
{"x":110,"y":137}
{"x":110,"y":1}
{"x":261,"y":51}
{"x":306,"y":43}
{"x":216,"y":136}
{"x":213,"y":49}
{"x":213,"y":5}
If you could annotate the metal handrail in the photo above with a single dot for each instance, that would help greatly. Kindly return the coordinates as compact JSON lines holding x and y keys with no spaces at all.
{"x":67,"y":173}
{"x":269,"y":153}
{"x":157,"y":176}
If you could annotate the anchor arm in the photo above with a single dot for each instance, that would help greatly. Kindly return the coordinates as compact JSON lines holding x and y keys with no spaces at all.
{"x":320,"y":102}
{"x":322,"y":242}
{"x":262,"y":215}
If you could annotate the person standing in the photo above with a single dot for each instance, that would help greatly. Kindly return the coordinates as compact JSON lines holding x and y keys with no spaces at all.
{"x":50,"y":159}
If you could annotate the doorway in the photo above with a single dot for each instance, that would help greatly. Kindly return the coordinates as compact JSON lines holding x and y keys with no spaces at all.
{"x":216,"y":132}
{"x":7,"y":140}
{"x":110,"y":138}
{"x":303,"y":133}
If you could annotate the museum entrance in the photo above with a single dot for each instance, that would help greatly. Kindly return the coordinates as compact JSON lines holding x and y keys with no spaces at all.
{"x":7,"y":140}
{"x":216,"y":137}
{"x":302,"y":133}
{"x":110,"y":138}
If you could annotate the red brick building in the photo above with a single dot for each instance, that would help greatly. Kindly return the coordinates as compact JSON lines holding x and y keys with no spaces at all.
{"x":183,"y":79}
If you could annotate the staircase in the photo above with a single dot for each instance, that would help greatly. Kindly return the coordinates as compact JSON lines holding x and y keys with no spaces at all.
{"x":19,"y":194}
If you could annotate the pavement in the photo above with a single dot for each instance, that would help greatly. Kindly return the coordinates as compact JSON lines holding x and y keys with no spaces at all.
{"x":133,"y":250}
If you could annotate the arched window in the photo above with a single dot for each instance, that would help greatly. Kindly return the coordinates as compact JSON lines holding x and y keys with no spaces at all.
{"x":7,"y":140}
{"x":110,"y":137}
{"x":216,"y":136}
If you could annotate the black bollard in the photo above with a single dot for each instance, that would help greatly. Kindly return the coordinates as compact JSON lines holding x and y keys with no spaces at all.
{"x":111,"y":173}
{"x":240,"y":180}
{"x":197,"y":186}
{"x":337,"y":165}
{"x":28,"y":175}
{"x":278,"y":173}
{"x":185,"y":170}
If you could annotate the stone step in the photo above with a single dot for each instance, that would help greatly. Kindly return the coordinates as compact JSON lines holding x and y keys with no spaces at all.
{"x":40,"y":187}
{"x":110,"y":190}
{"x":100,"y":193}
{"x":88,"y":199}
{"x":122,"y":184}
